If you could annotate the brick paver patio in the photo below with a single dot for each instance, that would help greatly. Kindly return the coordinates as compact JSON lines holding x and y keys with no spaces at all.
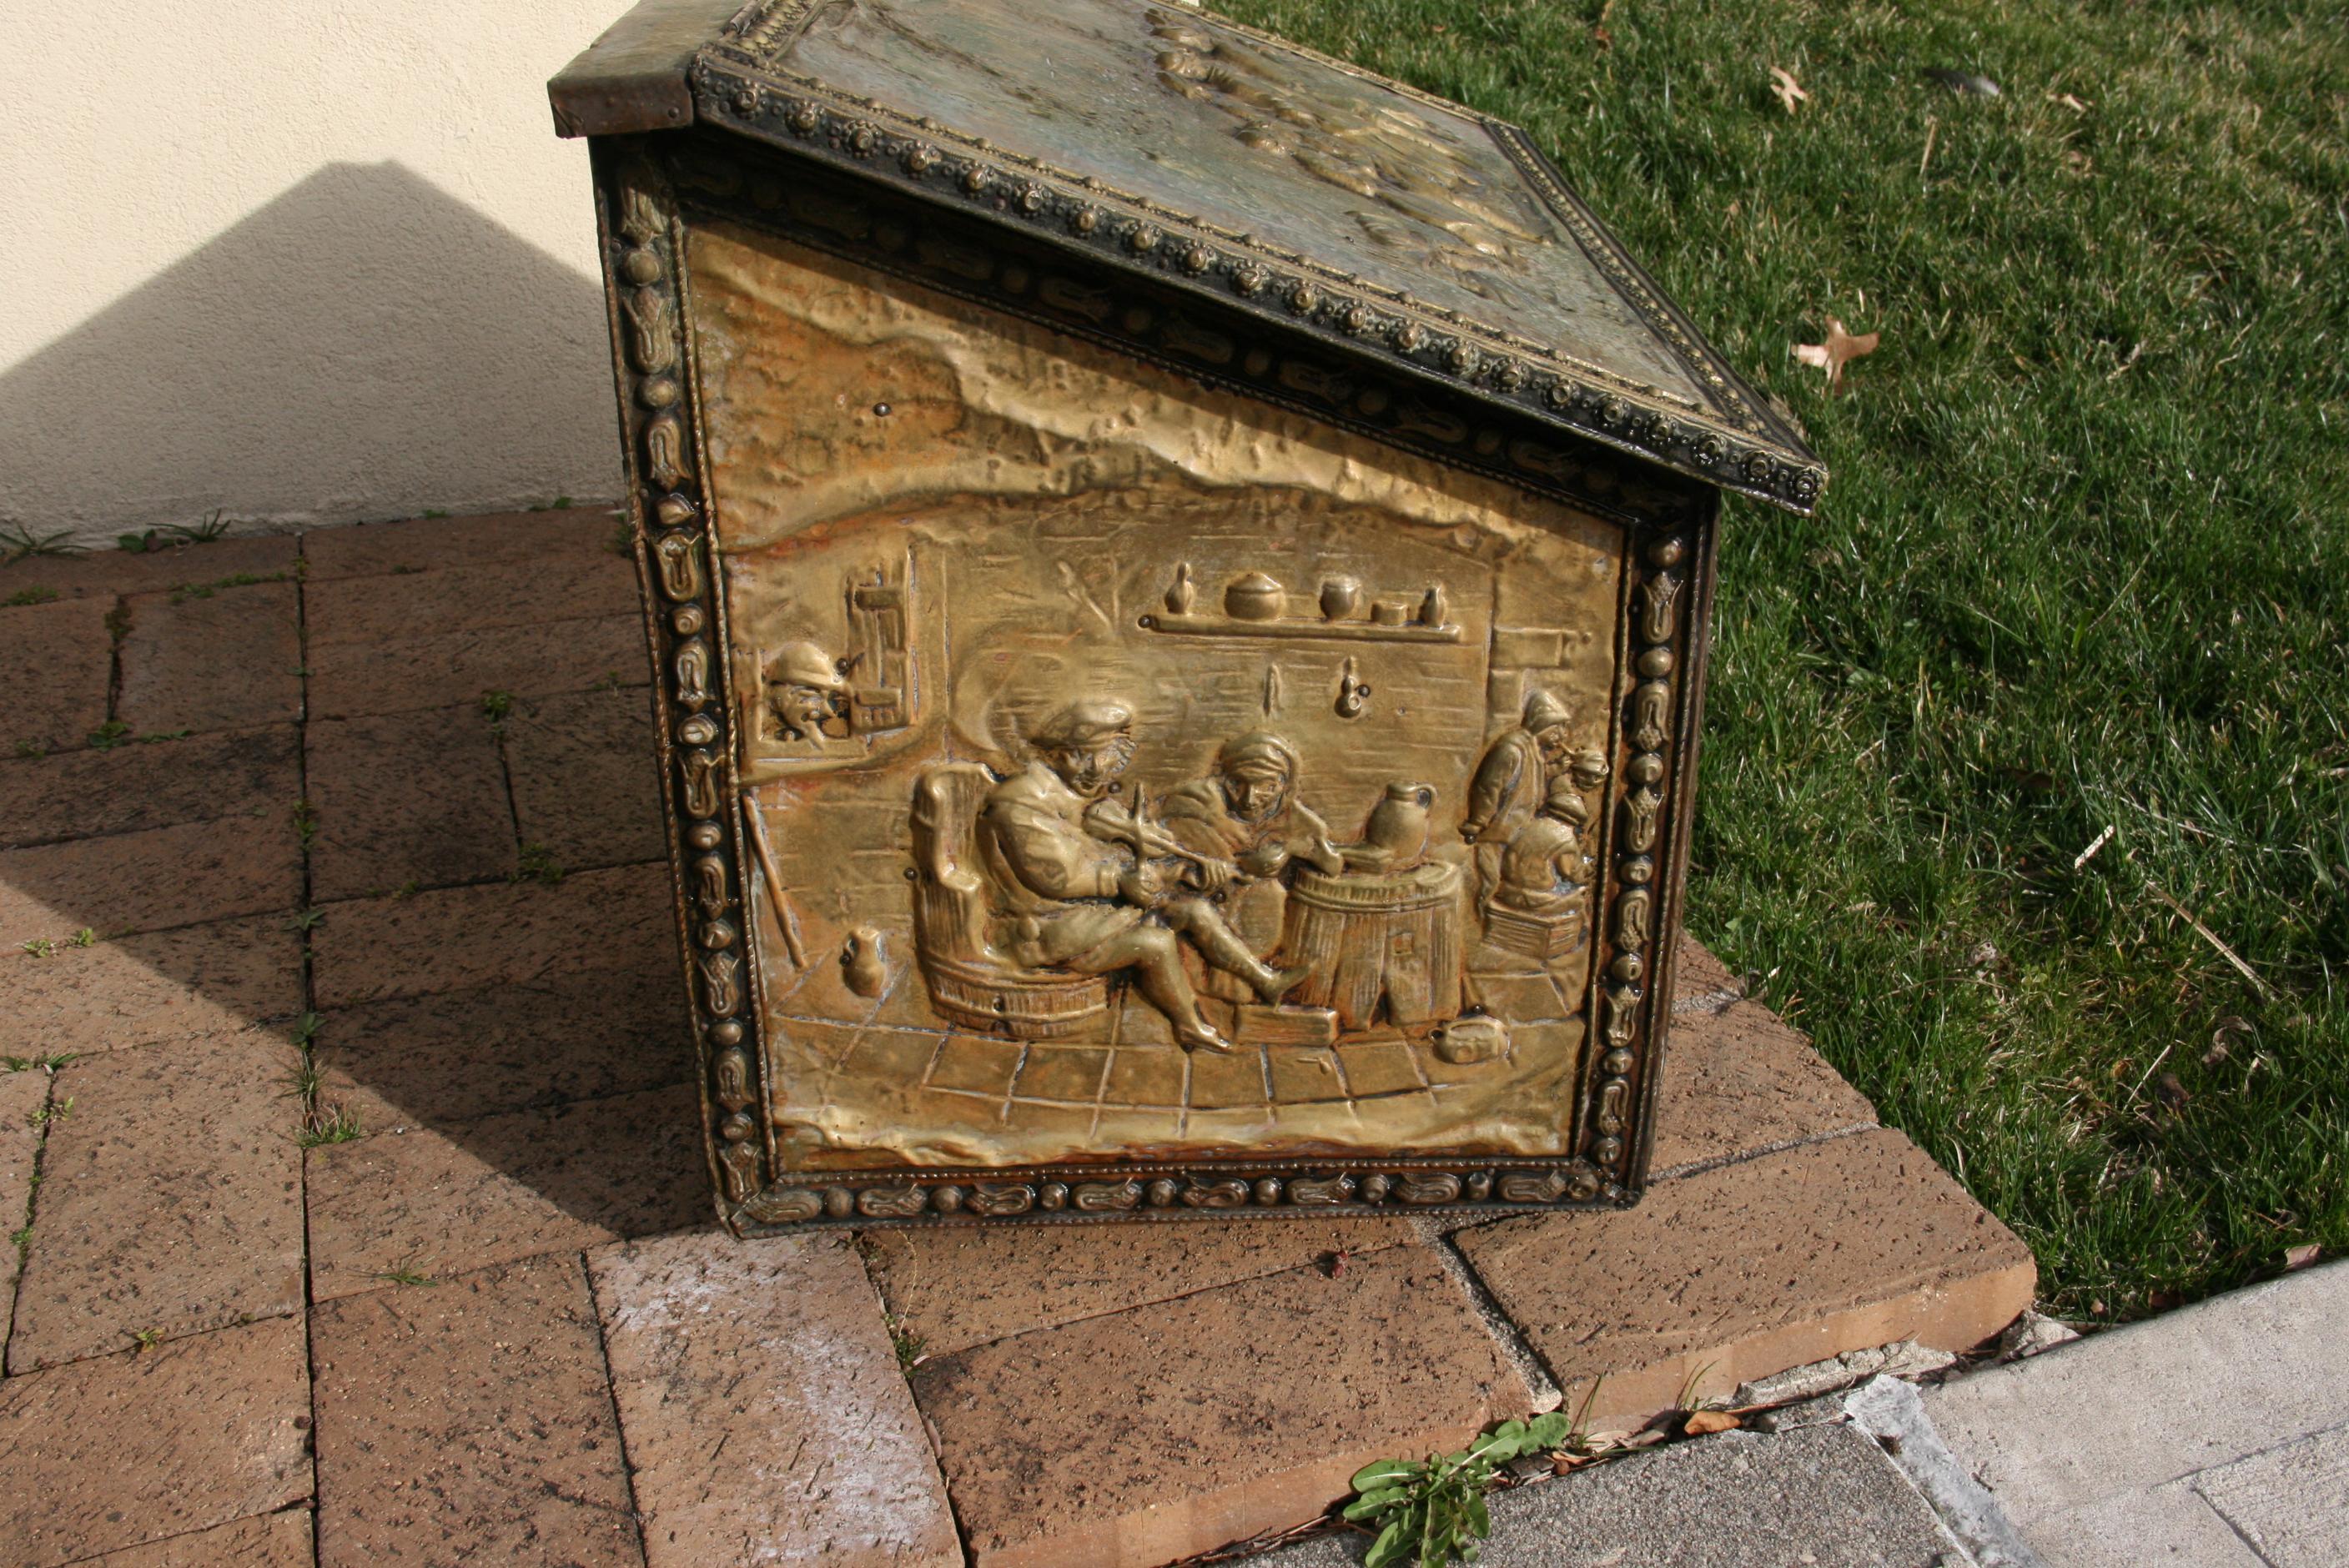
{"x":269,"y":780}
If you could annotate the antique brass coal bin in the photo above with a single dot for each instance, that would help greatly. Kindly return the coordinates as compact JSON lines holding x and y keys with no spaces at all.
{"x":1178,"y":571}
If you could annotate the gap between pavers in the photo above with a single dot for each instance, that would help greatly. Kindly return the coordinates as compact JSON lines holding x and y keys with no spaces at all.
{"x":766,"y":1415}
{"x":169,"y":1201}
{"x":1140,"y":1438}
{"x":1747,"y":1269}
{"x":471,"y":1417}
{"x":279,"y":1540}
{"x":135,"y":1448}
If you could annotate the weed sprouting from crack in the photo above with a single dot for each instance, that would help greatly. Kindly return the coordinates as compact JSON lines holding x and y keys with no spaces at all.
{"x":538,"y":864}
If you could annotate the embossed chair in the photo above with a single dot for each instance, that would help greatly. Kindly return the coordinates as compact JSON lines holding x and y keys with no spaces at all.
{"x":970,"y":981}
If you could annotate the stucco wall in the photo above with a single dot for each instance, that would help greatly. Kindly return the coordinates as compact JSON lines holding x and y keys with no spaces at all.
{"x":307,"y":263}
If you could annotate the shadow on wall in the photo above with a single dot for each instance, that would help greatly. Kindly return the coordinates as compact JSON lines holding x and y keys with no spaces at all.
{"x":363,"y":346}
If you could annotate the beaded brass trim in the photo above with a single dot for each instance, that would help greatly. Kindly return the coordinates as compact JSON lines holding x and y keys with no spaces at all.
{"x":740,"y":84}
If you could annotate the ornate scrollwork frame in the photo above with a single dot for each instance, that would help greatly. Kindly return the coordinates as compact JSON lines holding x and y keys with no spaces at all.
{"x":649,"y":191}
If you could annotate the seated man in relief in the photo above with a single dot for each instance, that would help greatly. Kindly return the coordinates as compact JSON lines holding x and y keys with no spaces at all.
{"x":1544,"y":868}
{"x":1084,"y":885}
{"x":1247,"y":812}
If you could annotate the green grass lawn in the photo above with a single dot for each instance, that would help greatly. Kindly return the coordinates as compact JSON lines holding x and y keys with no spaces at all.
{"x":2083,"y":564}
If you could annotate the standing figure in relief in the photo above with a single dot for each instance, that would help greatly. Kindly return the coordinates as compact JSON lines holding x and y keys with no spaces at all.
{"x":1512,"y":779}
{"x":1085,"y":885}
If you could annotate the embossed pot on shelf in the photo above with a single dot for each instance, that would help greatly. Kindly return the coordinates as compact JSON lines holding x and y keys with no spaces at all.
{"x":1028,"y":505}
{"x":1255,"y":597}
{"x":1341,"y":597}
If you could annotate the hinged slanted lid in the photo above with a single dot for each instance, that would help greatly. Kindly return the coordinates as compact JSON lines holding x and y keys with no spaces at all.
{"x":1285,"y":183}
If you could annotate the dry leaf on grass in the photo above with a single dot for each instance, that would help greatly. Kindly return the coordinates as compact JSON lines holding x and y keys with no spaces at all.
{"x":1839,"y":346}
{"x":1790,"y":91}
{"x":2300,"y":1257}
{"x":2230,"y":1024}
{"x":1701,"y":1423}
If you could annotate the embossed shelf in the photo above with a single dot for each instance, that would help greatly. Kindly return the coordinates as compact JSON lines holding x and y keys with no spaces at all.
{"x":1296,"y":627}
{"x":1017,"y":881}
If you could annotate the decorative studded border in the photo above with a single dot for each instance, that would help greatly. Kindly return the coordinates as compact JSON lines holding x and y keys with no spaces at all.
{"x":651,"y":192}
{"x":740,"y":85}
{"x":668,"y":511}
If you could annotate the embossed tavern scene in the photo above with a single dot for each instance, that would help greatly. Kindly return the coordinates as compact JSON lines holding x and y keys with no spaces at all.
{"x":1180,"y":610}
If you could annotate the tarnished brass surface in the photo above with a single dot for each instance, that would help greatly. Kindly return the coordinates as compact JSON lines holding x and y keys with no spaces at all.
{"x":968,"y":563}
{"x":1236,"y":167}
{"x":1249,"y":135}
{"x":1178,"y":575}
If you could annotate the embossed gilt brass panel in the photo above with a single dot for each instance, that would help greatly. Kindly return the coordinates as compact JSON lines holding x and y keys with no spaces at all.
{"x":1155,"y":723}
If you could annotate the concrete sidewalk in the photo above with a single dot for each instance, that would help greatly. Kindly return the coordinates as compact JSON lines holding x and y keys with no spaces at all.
{"x":2217,"y":1437}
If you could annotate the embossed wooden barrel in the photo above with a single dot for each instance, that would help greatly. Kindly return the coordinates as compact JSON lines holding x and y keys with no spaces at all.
{"x":1378,"y":936}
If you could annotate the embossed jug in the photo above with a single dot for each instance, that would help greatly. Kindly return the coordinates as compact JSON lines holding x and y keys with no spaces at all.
{"x":1398,"y":825}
